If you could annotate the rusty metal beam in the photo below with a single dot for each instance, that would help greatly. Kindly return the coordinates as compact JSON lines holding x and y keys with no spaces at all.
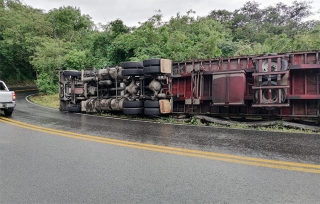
{"x":270,"y":87}
{"x":305,"y":66}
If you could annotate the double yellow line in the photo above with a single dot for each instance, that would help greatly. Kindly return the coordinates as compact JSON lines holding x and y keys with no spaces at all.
{"x":310,"y":168}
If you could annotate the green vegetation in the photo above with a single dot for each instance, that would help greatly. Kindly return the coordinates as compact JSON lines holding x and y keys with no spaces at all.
{"x":35,"y":45}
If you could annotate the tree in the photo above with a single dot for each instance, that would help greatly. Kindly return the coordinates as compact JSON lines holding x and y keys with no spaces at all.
{"x":195,"y":38}
{"x":183,"y":37}
{"x":307,"y":41}
{"x":76,"y":60}
{"x":142,"y":43}
{"x":48,"y":59}
{"x":20,"y":27}
{"x":104,"y":46}
{"x":68,"y":23}
{"x":253,"y":24}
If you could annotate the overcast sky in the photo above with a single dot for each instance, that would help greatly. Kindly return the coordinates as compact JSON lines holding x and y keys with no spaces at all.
{"x":134,"y":11}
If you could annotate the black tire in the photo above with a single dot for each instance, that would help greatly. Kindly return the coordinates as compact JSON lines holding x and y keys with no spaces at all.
{"x":8,"y":112}
{"x":132,"y":104}
{"x":284,"y":67}
{"x":152,"y":111}
{"x":74,"y":109}
{"x":130,"y":65}
{"x":132,"y":72}
{"x":151,"y":62}
{"x":271,"y":54}
{"x":151,"y":104}
{"x":133,"y":111}
{"x":274,"y":93}
{"x":63,"y":105}
{"x":152,"y":70}
{"x":72,"y":73}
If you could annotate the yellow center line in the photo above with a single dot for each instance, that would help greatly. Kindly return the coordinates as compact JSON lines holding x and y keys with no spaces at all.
{"x":311,"y":168}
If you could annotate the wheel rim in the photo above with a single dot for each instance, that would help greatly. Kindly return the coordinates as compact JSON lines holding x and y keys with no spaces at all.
{"x":274,"y":66}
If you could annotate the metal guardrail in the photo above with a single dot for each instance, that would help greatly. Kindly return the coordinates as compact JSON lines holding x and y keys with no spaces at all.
{"x":23,"y":88}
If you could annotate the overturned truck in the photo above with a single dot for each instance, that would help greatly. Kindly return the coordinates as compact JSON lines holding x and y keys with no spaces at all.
{"x":133,"y":87}
{"x":277,"y":85}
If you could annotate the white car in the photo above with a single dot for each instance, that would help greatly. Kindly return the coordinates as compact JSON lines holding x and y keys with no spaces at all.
{"x":7,"y":99}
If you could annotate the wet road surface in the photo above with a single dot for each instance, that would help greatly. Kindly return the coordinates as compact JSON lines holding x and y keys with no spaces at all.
{"x":37,"y":167}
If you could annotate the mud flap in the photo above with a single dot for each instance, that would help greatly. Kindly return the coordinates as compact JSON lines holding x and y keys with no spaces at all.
{"x":165,"y":106}
{"x":165,"y":66}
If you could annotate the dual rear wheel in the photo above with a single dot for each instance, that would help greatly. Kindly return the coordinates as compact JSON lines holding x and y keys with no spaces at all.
{"x":133,"y":107}
{"x":141,"y":107}
{"x":132,"y":69}
{"x":151,"y":66}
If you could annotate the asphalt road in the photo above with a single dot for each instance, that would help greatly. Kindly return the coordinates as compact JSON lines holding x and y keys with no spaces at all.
{"x":47,"y":166}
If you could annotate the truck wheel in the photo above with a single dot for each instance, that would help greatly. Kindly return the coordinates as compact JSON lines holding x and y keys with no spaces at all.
{"x":132,"y":72}
{"x":152,"y":70}
{"x":63,"y":105}
{"x":274,"y":64}
{"x":130,"y":65}
{"x":72,"y":73}
{"x":74,"y":109}
{"x":151,"y":62}
{"x":152,"y":111}
{"x":8,"y":112}
{"x":151,"y":104}
{"x":133,"y":111}
{"x":274,"y":94}
{"x":132,"y":104}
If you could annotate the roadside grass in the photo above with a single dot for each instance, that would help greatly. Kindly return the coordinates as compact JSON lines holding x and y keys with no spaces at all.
{"x":52,"y":101}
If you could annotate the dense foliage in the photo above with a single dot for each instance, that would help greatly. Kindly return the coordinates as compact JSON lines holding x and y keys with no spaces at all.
{"x":35,"y":44}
